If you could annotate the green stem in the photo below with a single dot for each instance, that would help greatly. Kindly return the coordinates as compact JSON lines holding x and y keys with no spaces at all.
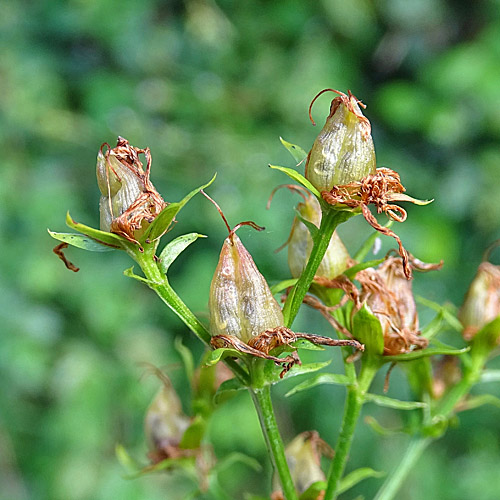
{"x":262,"y":400}
{"x":354,"y":403}
{"x":417,"y":446}
{"x":158,"y":282}
{"x":330,"y":220}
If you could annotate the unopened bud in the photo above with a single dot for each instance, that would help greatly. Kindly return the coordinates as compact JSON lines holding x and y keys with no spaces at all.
{"x":240,"y":302}
{"x":482,"y":301}
{"x":129,"y":202}
{"x":343,"y":152}
{"x":300,"y":244}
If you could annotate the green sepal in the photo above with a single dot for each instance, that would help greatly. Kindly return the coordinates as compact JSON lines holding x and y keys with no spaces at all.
{"x":283,"y":285}
{"x":424,"y":353}
{"x":272,"y":372}
{"x":311,"y":227}
{"x":367,"y":329}
{"x":102,"y":237}
{"x":322,"y":378}
{"x":298,"y":154}
{"x":164,"y":219}
{"x":174,"y":248}
{"x":307,"y":345}
{"x":355,"y":477}
{"x":81,"y":241}
{"x":213,"y":357}
{"x":313,"y":492}
{"x":293,"y":174}
{"x":397,"y":404}
{"x":368,"y":244}
{"x":193,"y":435}
{"x":227,"y":389}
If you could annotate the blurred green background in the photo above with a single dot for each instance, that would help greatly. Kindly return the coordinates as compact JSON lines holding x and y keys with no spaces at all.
{"x":210,"y":86}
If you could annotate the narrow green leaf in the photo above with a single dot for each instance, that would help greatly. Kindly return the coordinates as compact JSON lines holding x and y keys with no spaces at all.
{"x":367,"y":329}
{"x":174,"y":248}
{"x":81,"y":241}
{"x":186,"y":356}
{"x":393,"y":403}
{"x":308,"y":345}
{"x":293,"y":174}
{"x":129,"y":273}
{"x":379,"y":428}
{"x":322,"y":378}
{"x":272,"y":372}
{"x":368,"y":244}
{"x":490,"y":376}
{"x":227,"y":389}
{"x":162,"y":222}
{"x":102,"y":237}
{"x":283,"y":285}
{"x":352,"y":271}
{"x":313,"y":492}
{"x":213,"y":357}
{"x":486,"y":339}
{"x":237,"y":458}
{"x":311,"y":227}
{"x":447,"y":311}
{"x":477,"y":401}
{"x":356,"y":476}
{"x":423,"y":353}
{"x":299,"y":155}
{"x":125,"y":459}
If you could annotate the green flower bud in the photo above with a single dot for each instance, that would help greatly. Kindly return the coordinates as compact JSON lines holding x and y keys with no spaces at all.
{"x":343,"y":152}
{"x":240,"y":302}
{"x":482,"y":301}
{"x":300,"y":244}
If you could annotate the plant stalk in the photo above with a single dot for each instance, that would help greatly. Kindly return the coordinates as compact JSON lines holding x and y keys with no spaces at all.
{"x":354,"y":403}
{"x":263,"y":404}
{"x":330,"y":220}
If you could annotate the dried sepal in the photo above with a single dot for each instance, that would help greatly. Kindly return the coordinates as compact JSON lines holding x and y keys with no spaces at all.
{"x":58,"y":250}
{"x":380,"y":189}
{"x":343,"y":152}
{"x":129,"y":201}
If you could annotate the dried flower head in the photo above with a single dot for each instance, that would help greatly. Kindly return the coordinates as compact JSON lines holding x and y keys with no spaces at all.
{"x":129,"y":201}
{"x":389,"y":295}
{"x":244,"y":315}
{"x":303,"y":455}
{"x":482,"y":301}
{"x":343,"y":152}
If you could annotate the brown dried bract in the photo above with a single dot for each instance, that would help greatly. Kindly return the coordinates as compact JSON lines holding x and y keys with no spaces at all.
{"x":380,"y":189}
{"x":148,"y":204}
{"x":58,"y":250}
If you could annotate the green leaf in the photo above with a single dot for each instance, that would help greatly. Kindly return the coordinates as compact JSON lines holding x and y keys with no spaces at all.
{"x":367,"y":329}
{"x":311,"y":227}
{"x":423,"y":353}
{"x":283,"y":285}
{"x":129,"y":273}
{"x":307,"y":344}
{"x":299,"y":155}
{"x":379,"y":428}
{"x":272,"y":372}
{"x":356,"y":476}
{"x":102,"y":237}
{"x":490,"y":376}
{"x":393,"y":403}
{"x":368,"y":244}
{"x":293,"y":174}
{"x":352,"y":271}
{"x":80,"y":241}
{"x":322,"y":378}
{"x":486,"y":339}
{"x":162,"y":222}
{"x":213,"y":357}
{"x":446,"y":310}
{"x":193,"y":435}
{"x":174,"y":248}
{"x":227,"y":389}
{"x":313,"y":491}
{"x":186,"y":356}
{"x":477,"y":401}
{"x":237,"y":458}
{"x":125,"y":459}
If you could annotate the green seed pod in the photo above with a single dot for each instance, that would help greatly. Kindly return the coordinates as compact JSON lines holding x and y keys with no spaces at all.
{"x":240,"y":302}
{"x":300,"y":244}
{"x":482,"y":301}
{"x":343,"y":152}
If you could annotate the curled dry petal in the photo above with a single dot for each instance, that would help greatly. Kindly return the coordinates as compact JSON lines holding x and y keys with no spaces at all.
{"x":482,"y":301}
{"x":129,"y":201}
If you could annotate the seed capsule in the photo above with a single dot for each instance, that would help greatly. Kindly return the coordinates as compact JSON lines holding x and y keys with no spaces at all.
{"x":300,"y":244}
{"x":343,"y":152}
{"x":240,"y":302}
{"x":482,"y":302}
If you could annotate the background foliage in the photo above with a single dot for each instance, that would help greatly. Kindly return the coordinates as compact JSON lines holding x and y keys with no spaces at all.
{"x":210,"y":86}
